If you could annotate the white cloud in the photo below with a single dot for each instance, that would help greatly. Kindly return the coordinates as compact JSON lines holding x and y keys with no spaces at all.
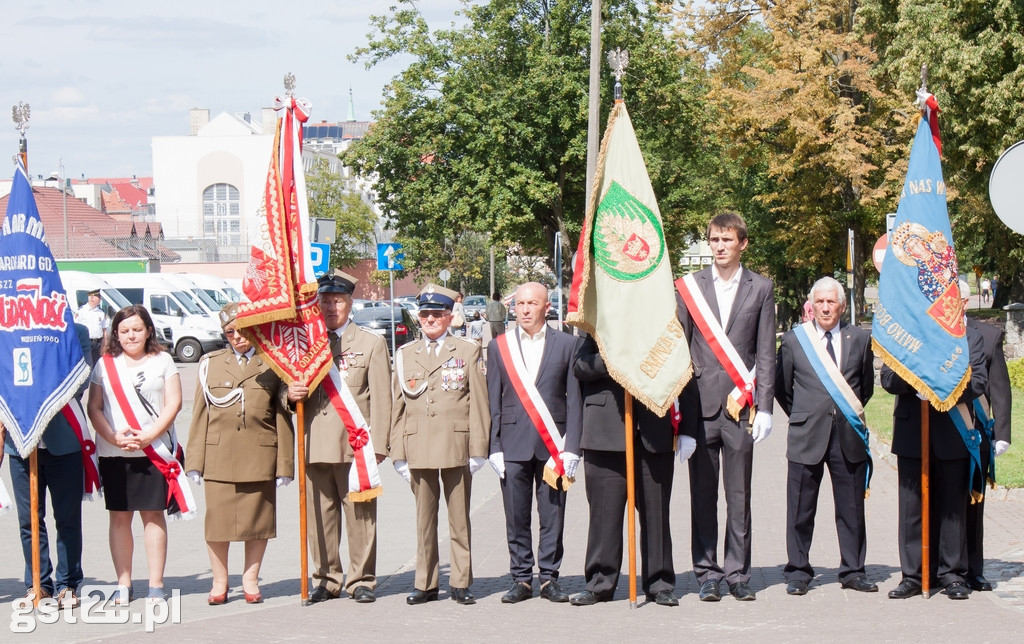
{"x":68,"y":96}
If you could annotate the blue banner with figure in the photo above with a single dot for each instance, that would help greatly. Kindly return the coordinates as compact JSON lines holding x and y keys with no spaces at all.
{"x":918,"y":327}
{"x":41,"y":362}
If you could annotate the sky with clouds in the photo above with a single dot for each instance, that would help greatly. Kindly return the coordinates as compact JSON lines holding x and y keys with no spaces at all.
{"x":103,"y":77}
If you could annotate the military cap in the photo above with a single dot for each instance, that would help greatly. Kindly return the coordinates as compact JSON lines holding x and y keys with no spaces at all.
{"x":228,"y":314}
{"x":337,"y":281}
{"x":437,"y":297}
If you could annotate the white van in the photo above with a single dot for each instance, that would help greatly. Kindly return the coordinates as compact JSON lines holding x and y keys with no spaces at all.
{"x":78,"y":285}
{"x":195,"y":330}
{"x":215,"y":287}
{"x":200,"y":296}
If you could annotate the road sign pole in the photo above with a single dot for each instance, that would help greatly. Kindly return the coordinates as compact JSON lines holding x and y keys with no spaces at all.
{"x":391,"y":283}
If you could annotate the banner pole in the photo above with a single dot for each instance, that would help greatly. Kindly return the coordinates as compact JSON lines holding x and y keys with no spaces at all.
{"x":630,"y":499}
{"x":926,"y":574}
{"x":33,"y":495}
{"x":300,"y":435}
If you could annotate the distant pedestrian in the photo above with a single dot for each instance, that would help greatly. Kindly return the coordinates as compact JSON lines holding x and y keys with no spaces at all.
{"x":496,"y":313}
{"x":476,"y":328}
{"x":986,"y":288}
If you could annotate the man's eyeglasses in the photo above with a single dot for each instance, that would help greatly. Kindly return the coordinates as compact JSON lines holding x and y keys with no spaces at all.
{"x":431,"y":313}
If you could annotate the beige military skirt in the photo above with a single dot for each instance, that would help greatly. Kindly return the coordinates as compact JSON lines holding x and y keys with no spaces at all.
{"x":240,"y":511}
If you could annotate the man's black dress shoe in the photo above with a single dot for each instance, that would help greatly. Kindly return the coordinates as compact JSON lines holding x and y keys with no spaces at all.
{"x":520,"y":591}
{"x":978,"y":582}
{"x":664,"y":598}
{"x":709,"y":591}
{"x":320,"y":594}
{"x":421,"y":596}
{"x":587,"y":598}
{"x":551,"y":591}
{"x":957,"y":590}
{"x":907,"y":588}
{"x":364,"y":595}
{"x":796,"y":587}
{"x":741,"y":591}
{"x":861,"y":584}
{"x":463,"y":596}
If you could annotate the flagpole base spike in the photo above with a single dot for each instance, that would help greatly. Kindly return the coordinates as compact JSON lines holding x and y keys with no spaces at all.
{"x":632,"y":604}
{"x":306,"y":602}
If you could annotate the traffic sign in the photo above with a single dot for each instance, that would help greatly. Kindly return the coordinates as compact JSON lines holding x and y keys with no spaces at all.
{"x":320,"y":254}
{"x":389,"y":257}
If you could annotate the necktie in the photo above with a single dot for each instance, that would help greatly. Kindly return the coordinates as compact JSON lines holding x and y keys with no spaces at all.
{"x":432,"y":351}
{"x":243,"y":360}
{"x":336,"y":348}
{"x":828,"y":347}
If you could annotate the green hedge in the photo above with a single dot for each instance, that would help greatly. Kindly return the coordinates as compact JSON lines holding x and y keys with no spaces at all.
{"x":1016,"y":368}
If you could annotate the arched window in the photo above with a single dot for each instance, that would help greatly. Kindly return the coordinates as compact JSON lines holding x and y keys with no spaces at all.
{"x":222,"y":215}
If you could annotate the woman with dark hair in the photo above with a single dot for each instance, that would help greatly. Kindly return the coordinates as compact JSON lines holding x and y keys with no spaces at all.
{"x":134,"y":395}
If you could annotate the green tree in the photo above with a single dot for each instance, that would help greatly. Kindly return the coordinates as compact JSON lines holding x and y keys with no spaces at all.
{"x":331,"y":197}
{"x":975,"y":57}
{"x":815,"y":134}
{"x":485,"y":130}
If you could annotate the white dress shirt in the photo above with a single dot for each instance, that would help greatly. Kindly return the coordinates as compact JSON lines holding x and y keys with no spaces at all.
{"x":439,"y":342}
{"x":837,"y":341}
{"x":725,"y":292}
{"x":532,"y":348}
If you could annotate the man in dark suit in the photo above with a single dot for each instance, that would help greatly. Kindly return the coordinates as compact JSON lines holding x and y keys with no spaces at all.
{"x":604,"y":446}
{"x":542,"y":357}
{"x":997,"y":393}
{"x":948,"y":480}
{"x":820,"y":433}
{"x":719,"y":413}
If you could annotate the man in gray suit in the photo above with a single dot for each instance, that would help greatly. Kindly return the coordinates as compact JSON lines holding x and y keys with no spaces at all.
{"x":821,"y":432}
{"x":522,"y":448}
{"x":727,"y":306}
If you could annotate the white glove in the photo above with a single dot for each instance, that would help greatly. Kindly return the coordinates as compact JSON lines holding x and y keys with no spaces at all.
{"x":687,"y":446}
{"x":570,"y":462}
{"x":762,"y":426}
{"x":282,"y":481}
{"x":497,"y":460}
{"x":193,"y":475}
{"x":475,"y":463}
{"x":402,"y":467}
{"x":1001,"y":447}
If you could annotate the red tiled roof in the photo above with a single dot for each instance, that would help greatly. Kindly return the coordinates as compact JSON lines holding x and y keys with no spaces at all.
{"x":92,"y":233}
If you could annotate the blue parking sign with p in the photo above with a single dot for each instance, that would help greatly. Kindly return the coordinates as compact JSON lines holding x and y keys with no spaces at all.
{"x":389,"y":257}
{"x":320,"y":255}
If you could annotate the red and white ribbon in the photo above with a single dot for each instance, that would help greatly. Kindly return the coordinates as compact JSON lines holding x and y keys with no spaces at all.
{"x":75,"y":415}
{"x":160,"y":454}
{"x":536,"y":410}
{"x":363,"y":476}
{"x":293,"y":182}
{"x":930,"y":109}
{"x":709,"y":327}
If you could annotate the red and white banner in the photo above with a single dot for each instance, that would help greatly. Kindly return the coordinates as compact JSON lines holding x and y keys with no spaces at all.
{"x":282,"y":315}
{"x":363,"y":476}
{"x":129,"y":412}
{"x":537,"y":410}
{"x":75,"y":415}
{"x":743,"y":394}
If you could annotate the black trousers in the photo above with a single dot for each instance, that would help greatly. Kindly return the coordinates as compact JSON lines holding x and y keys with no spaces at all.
{"x":949,"y":495}
{"x":722,"y":443}
{"x":976,"y":518}
{"x":523,"y":480}
{"x":803,"y":485}
{"x":606,"y":493}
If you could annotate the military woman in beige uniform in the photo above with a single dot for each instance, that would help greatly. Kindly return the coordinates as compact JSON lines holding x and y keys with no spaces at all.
{"x":240,"y":443}
{"x":439,"y":436}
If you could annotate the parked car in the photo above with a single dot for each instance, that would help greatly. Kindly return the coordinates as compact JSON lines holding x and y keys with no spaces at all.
{"x":412,"y":306}
{"x":380,"y":319}
{"x":474,"y":303}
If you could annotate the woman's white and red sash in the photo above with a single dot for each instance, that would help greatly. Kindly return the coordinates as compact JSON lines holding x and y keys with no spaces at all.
{"x":537,"y":412}
{"x":129,"y":412}
{"x":363,"y":476}
{"x":75,"y":415}
{"x":5,"y":499}
{"x":709,"y":327}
